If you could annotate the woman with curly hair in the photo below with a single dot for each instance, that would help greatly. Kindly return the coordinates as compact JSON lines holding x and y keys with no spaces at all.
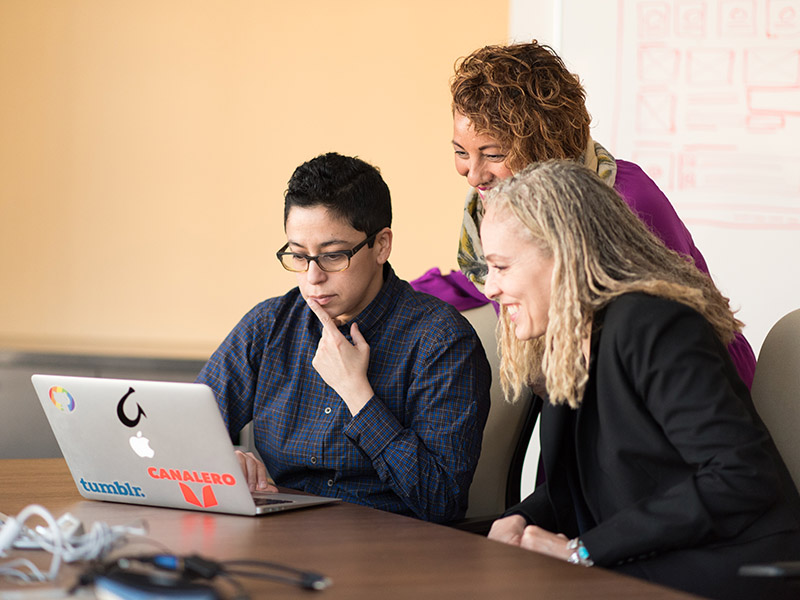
{"x":657,"y":464}
{"x":516,"y":105}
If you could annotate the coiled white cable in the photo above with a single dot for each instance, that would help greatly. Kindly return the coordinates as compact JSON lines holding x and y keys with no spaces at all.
{"x":67,"y":545}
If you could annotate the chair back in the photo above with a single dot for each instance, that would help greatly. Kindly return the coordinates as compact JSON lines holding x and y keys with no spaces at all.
{"x":496,"y":484}
{"x":776,"y":389}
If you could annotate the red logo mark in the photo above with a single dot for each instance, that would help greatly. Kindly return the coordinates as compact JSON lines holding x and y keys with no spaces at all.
{"x":209,"y":499}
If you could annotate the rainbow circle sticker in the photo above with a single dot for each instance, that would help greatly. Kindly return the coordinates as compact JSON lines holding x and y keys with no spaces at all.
{"x":62,"y":399}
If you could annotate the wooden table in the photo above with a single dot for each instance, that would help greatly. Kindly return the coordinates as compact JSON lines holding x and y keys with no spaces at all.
{"x":367,"y":553}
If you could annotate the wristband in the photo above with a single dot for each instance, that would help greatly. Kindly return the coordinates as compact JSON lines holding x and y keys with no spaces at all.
{"x":580,"y":556}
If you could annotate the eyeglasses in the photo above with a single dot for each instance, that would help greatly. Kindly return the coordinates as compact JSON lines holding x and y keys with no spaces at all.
{"x":330,"y":262}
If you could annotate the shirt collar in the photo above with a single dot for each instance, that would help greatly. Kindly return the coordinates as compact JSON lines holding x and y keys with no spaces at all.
{"x":373,"y":315}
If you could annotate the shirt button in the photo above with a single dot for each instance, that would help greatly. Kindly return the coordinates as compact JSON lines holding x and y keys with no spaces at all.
{"x":313,"y":460}
{"x":330,"y":482}
{"x":327,"y":410}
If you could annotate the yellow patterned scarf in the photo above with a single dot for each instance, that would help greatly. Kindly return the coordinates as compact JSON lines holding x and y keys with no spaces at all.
{"x":470,"y":252}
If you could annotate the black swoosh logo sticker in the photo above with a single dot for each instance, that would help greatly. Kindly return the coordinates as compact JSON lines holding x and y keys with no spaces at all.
{"x":121,"y":411}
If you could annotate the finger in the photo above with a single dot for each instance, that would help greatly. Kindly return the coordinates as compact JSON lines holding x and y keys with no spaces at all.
{"x":507,"y":530}
{"x":317,"y":309}
{"x":545,"y":542}
{"x":534,"y":537}
{"x":533,"y":532}
{"x":254,"y":471}
{"x":262,"y":479}
{"x":355,"y":335}
{"x":327,"y":321}
{"x":249,"y":474}
{"x":530,"y":539}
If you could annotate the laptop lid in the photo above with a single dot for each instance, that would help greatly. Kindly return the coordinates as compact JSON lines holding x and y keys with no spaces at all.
{"x":151,"y":442}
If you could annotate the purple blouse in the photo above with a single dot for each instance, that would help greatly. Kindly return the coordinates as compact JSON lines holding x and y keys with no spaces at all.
{"x":654,"y":209}
{"x":651,"y":205}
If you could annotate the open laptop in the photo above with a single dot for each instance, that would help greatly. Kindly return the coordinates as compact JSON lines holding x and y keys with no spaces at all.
{"x":154,"y":443}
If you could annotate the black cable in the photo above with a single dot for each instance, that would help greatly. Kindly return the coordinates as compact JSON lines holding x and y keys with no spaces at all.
{"x":240,"y":593}
{"x":194,"y":566}
{"x":305,"y":579}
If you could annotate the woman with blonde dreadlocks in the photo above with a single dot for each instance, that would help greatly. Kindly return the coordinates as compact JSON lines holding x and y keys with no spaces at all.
{"x":516,"y":105}
{"x":656,"y":462}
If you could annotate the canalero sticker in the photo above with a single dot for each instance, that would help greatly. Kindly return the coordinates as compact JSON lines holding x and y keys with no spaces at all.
{"x":207,"y":497}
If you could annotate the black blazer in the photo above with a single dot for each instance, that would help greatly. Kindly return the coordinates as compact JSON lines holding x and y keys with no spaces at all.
{"x":669,"y":450}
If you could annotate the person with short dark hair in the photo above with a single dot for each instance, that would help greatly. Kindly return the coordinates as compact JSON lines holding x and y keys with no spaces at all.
{"x":358,"y":387}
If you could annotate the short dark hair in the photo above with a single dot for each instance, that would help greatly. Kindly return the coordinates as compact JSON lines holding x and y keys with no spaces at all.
{"x":347,"y":186}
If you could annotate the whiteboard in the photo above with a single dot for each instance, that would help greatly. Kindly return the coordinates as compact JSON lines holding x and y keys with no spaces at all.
{"x":705,"y":96}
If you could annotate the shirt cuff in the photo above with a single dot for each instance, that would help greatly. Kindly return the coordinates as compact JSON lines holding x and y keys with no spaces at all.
{"x":373,"y":428}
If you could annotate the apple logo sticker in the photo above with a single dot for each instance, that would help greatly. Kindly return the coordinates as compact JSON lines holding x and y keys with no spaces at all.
{"x":141,"y":445}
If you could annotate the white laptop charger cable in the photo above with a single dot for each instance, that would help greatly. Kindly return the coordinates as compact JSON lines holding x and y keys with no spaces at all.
{"x":65,"y":538}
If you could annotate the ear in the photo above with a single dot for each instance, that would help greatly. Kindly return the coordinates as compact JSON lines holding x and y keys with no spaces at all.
{"x":383,"y":245}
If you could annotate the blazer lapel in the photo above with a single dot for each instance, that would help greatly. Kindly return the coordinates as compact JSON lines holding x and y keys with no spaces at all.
{"x":554,"y":423}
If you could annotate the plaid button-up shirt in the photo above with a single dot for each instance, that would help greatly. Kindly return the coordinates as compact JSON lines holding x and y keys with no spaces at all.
{"x":411,"y":450}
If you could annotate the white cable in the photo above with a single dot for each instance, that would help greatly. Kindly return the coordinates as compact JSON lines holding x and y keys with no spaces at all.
{"x":16,"y":525}
{"x":10,"y":569}
{"x":99,"y":541}
{"x":63,"y":538}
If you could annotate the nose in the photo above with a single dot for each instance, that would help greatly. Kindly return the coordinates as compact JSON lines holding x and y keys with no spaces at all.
{"x":315,"y":275}
{"x":472,"y":167}
{"x":476,"y":173}
{"x":490,"y":287}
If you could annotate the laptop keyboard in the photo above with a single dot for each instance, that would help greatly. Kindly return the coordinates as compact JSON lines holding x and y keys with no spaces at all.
{"x":262,"y":501}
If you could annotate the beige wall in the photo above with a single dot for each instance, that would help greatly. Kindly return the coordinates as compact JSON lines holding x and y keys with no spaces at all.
{"x":145,"y":147}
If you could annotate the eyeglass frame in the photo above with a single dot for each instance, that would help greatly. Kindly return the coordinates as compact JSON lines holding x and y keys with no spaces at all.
{"x":309,"y":259}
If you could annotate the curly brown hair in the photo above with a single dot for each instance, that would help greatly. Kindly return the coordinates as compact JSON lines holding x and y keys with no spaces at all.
{"x":523,"y":96}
